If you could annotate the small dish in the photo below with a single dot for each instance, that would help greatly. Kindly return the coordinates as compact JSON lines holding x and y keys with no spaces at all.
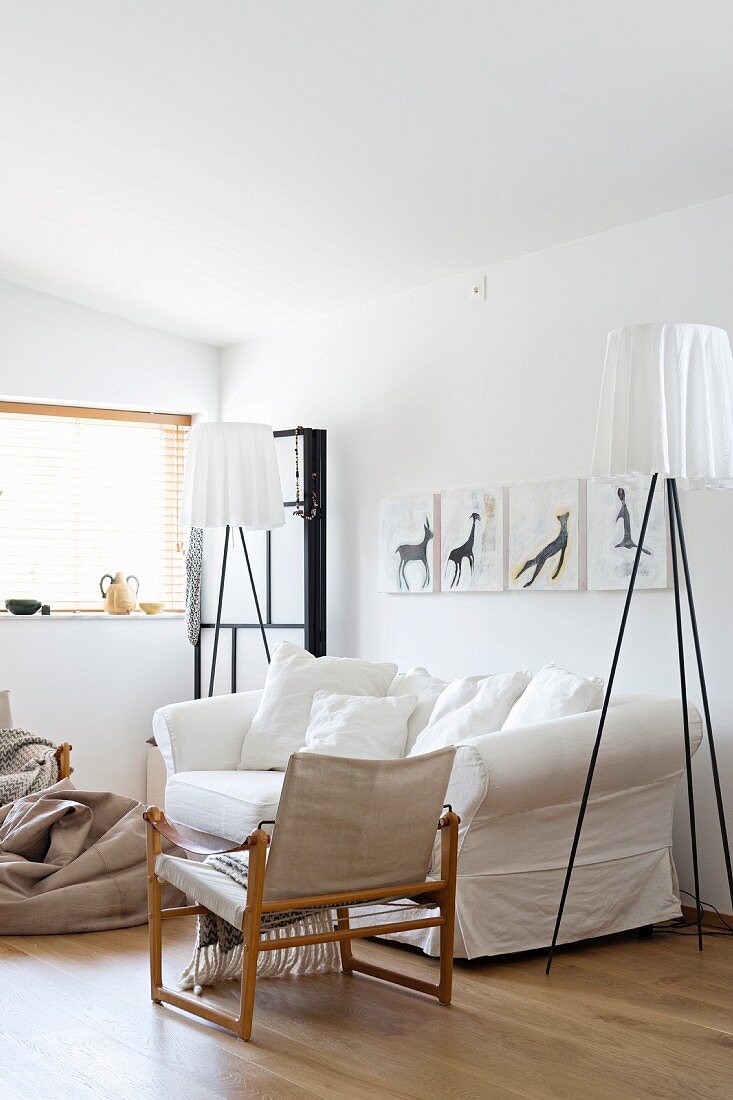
{"x":22,"y":607}
{"x":151,"y":608}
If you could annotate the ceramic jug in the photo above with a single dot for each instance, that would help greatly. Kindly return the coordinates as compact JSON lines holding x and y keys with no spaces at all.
{"x":119,"y":598}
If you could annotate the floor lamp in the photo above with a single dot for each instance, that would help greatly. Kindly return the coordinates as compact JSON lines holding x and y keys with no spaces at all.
{"x":231,"y":480}
{"x":666,"y":411}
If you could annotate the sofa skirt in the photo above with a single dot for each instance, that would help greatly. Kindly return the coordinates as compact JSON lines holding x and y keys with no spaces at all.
{"x":504,"y":913}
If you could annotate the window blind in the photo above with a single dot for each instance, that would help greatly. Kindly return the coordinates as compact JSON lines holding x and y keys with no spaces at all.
{"x":85,"y":492}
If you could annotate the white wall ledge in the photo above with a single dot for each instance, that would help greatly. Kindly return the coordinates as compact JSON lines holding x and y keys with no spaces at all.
{"x":92,"y":616}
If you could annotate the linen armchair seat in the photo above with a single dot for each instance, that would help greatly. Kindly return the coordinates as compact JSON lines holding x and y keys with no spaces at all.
{"x":217,"y":892}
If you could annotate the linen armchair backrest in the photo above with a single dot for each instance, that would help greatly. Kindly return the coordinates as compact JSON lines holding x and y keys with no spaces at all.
{"x":347,"y":824}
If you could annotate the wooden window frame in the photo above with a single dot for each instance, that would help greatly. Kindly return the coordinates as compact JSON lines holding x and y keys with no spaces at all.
{"x":88,"y":412}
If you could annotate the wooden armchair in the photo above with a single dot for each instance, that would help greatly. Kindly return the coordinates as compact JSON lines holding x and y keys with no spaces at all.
{"x":63,"y":752}
{"x":348,"y":833}
{"x":63,"y":755}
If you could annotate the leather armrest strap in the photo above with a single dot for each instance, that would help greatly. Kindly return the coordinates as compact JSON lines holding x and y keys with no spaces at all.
{"x":157,"y":819}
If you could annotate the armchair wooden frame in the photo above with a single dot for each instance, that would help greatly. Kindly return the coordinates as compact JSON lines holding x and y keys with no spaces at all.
{"x":63,"y":756}
{"x":441,"y":892}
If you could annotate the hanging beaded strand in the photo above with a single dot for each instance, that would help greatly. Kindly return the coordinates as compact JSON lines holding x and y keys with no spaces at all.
{"x":299,"y":510}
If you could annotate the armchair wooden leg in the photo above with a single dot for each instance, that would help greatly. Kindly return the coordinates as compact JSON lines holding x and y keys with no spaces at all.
{"x":251,"y":931}
{"x":155,"y":923}
{"x":249,"y":983}
{"x":448,"y":870}
{"x":347,"y":957}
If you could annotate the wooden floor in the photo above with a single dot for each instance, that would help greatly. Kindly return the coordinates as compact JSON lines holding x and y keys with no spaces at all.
{"x":620,"y":1019}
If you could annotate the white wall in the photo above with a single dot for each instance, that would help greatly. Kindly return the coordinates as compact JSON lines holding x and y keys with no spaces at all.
{"x":97,"y":682}
{"x":431,"y":390}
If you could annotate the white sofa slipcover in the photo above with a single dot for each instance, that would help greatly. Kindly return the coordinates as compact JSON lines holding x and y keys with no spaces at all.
{"x":517,"y":792}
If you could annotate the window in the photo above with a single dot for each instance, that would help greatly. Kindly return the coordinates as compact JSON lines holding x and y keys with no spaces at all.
{"x":85,"y":492}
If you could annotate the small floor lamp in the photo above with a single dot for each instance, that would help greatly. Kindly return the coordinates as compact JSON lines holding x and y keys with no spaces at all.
{"x":231,"y":479}
{"x":666,"y":411}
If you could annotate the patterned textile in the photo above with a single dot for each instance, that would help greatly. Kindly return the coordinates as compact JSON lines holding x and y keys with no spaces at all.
{"x":217,"y":955}
{"x":194,"y":562}
{"x":27,"y":764}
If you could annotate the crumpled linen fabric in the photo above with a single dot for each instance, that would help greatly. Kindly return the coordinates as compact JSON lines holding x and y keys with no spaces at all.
{"x":74,"y":861}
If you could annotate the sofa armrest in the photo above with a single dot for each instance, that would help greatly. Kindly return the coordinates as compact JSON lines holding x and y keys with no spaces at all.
{"x":547,"y":764}
{"x":204,"y":734}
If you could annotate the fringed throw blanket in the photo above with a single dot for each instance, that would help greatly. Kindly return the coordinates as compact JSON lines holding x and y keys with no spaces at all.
{"x":217,"y":955}
{"x":27,"y":764}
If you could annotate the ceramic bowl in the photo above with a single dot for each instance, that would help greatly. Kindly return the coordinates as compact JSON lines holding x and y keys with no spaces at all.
{"x":22,"y":607}
{"x":151,"y":608}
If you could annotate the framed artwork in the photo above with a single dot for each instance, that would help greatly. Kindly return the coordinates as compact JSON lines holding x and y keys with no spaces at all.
{"x":408,"y":544}
{"x":615,"y":513}
{"x":544,"y":534}
{"x":472,"y":540}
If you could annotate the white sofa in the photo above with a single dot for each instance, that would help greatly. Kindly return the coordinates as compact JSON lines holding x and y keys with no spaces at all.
{"x":517,"y":792}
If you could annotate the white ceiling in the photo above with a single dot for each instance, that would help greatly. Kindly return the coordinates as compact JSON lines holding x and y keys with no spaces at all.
{"x":217,"y":168}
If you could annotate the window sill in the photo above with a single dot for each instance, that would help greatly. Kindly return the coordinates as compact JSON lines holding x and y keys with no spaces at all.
{"x":94,"y":616}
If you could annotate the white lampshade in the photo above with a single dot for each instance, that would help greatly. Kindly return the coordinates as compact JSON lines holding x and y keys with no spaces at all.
{"x":667,"y":405}
{"x":232,"y":478}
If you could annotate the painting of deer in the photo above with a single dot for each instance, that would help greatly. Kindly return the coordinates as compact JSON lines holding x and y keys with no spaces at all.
{"x":415,"y":551}
{"x":407,"y":528}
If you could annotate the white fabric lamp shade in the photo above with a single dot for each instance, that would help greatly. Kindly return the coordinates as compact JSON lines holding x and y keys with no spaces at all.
{"x":667,"y":405}
{"x":232,"y":478}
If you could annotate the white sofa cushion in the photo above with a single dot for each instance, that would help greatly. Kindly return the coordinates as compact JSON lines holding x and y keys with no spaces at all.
{"x":470,"y":707}
{"x":554,"y":693}
{"x":359,"y":726}
{"x":427,"y":688}
{"x":294,"y":676}
{"x":228,"y":804}
{"x":465,"y":688}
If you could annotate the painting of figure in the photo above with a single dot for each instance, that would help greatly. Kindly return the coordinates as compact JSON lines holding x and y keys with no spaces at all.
{"x":472,"y":540}
{"x":615,"y":513}
{"x":407,"y":542}
{"x":544,"y":533}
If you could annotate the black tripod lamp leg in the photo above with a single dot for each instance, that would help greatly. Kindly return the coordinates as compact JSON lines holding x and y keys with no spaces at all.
{"x":263,"y":632}
{"x":218,"y":612}
{"x":601,"y":724}
{"x":685,"y":715}
{"x":704,"y":691}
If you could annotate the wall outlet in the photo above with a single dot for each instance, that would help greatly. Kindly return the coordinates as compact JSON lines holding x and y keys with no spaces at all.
{"x":478,"y":288}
